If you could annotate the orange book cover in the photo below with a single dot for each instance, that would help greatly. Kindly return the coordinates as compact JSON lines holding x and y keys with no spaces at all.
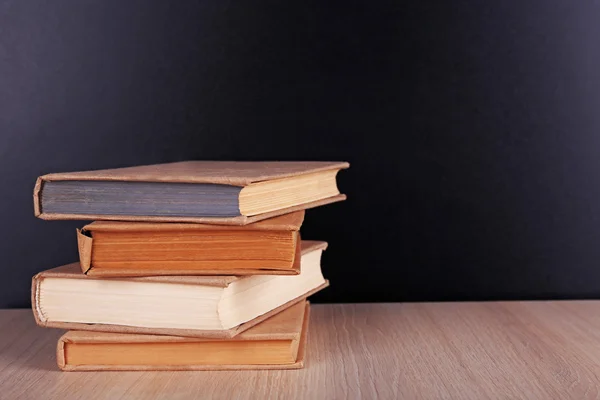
{"x":276,"y":343}
{"x":114,"y":248}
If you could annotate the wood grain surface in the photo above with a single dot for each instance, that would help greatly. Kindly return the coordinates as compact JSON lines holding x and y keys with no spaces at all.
{"x":512,"y":350}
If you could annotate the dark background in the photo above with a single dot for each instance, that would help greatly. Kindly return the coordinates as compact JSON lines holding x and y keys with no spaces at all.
{"x":473,"y":129}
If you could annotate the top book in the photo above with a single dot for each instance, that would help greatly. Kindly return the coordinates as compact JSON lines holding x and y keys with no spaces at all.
{"x":220,"y":192}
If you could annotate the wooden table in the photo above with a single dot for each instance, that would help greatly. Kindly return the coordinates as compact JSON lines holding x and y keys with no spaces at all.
{"x":516,"y":350}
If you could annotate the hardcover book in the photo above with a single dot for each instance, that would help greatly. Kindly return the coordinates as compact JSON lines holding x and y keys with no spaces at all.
{"x":276,"y":343}
{"x":272,"y":246}
{"x":219,"y":192}
{"x":195,"y":306}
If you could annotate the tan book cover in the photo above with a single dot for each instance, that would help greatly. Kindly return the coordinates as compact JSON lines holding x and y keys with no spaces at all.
{"x":266,"y":189}
{"x":114,"y":248}
{"x":73,"y":272}
{"x":279,"y":342}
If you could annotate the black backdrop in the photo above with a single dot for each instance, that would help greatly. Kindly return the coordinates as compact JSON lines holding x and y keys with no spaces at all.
{"x":472,"y":129}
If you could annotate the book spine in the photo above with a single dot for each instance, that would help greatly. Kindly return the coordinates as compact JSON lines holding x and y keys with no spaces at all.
{"x":60,"y":354}
{"x":84,"y":246}
{"x":38,"y":315}
{"x":37,"y":195}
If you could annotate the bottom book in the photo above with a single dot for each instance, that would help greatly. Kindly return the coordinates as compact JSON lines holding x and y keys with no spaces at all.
{"x":277,"y":343}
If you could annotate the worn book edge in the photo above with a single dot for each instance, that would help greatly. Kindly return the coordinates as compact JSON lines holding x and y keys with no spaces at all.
{"x":287,"y":222}
{"x":85,"y":247}
{"x":239,"y":220}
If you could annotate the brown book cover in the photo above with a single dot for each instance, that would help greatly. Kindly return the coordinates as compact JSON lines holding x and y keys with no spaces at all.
{"x":192,"y":248}
{"x":73,"y":271}
{"x":163,"y":353}
{"x":229,"y":173}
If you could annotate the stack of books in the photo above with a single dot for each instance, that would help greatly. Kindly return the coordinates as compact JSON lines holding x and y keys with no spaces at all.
{"x":193,"y":265}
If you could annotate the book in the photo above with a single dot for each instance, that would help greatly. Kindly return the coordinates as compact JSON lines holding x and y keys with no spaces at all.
{"x":221,"y":192}
{"x":276,"y":343}
{"x":271,"y":246}
{"x":195,"y":306}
